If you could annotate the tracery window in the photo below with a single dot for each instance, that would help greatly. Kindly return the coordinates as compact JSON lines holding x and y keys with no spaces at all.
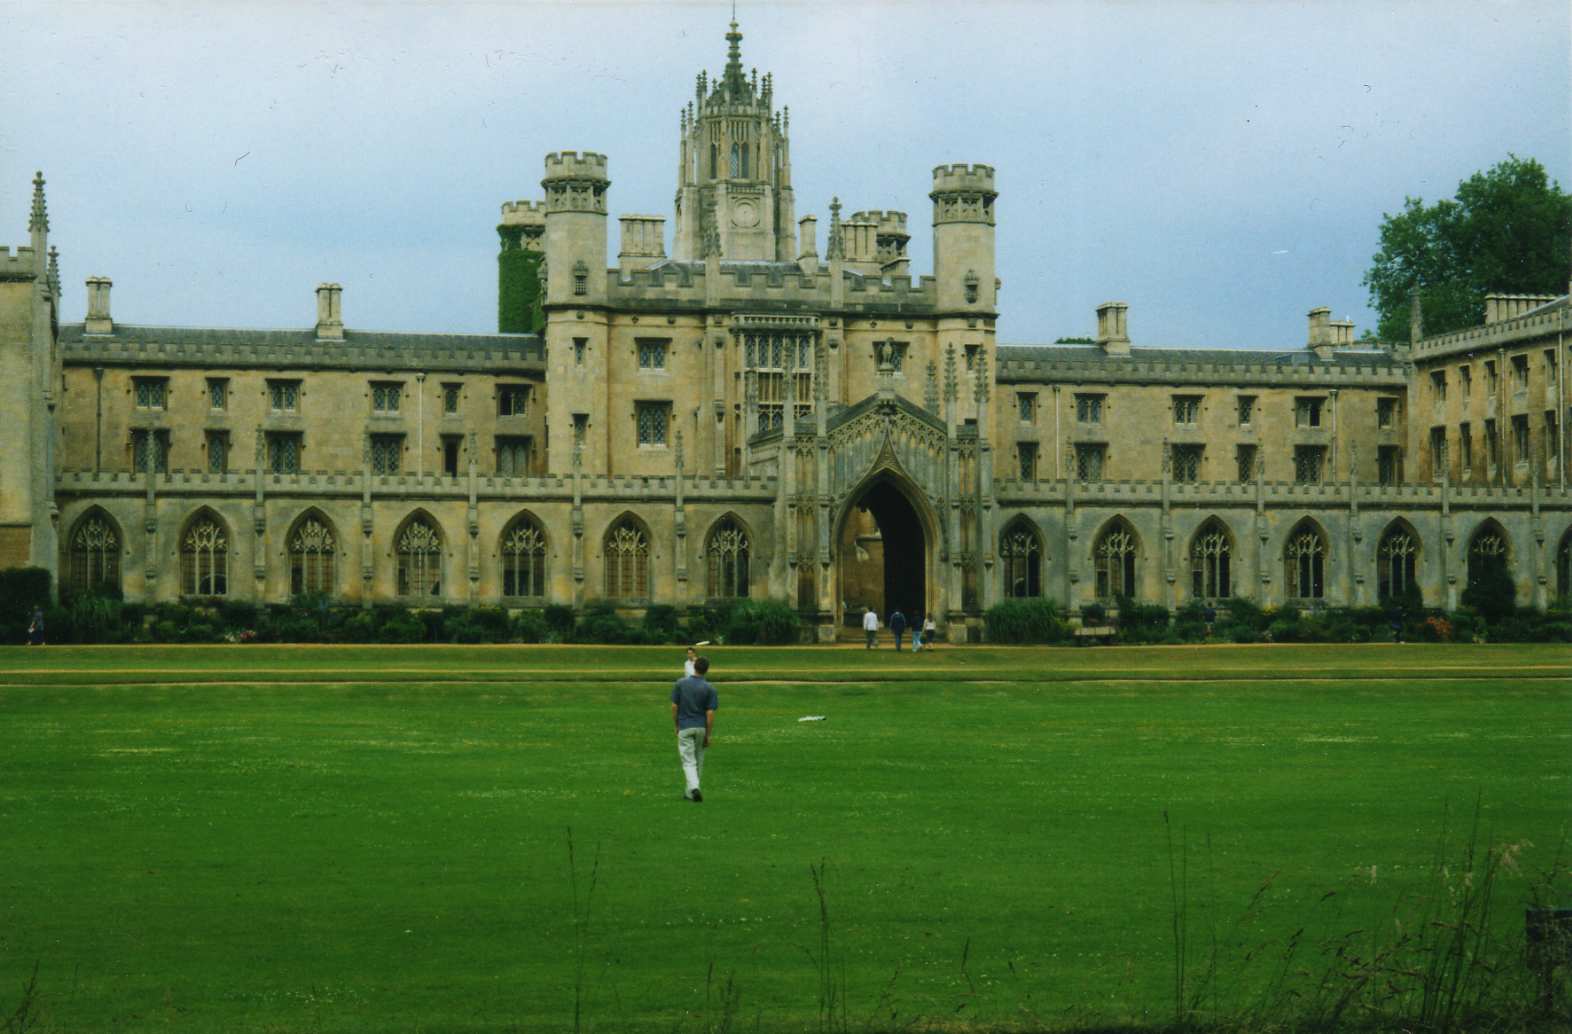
{"x":1211,"y":556}
{"x":524,"y":558}
{"x":1395,"y":563}
{"x":312,"y":552}
{"x":727,"y":553}
{"x":204,"y":558}
{"x":1022,"y":553}
{"x":94,"y":564}
{"x":770,"y":357}
{"x":1114,"y":556}
{"x":1487,"y":553}
{"x":419,"y":559}
{"x":627,"y":553}
{"x":1304,"y":559}
{"x":1564,"y":567}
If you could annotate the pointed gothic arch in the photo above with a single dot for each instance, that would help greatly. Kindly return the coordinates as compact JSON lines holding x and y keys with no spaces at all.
{"x":204,"y":555}
{"x":417,"y":557}
{"x":910,"y":533}
{"x":1397,"y":561}
{"x":1021,"y":550}
{"x":1211,"y":560}
{"x":1564,"y":566}
{"x":93,"y":555}
{"x":1304,"y":561}
{"x":312,"y":545}
{"x":1489,"y":553}
{"x":1116,"y":553}
{"x":523,"y":550}
{"x":626,"y":554}
{"x":728,"y":547}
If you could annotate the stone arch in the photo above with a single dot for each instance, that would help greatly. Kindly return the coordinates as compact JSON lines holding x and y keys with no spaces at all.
{"x":1563,"y":563}
{"x":625,"y":557}
{"x":1116,"y":560}
{"x":1021,"y":557}
{"x":1304,"y":560}
{"x":1489,"y":553}
{"x":312,"y":546}
{"x":92,"y":555}
{"x":522,"y":547}
{"x":888,"y":483}
{"x":1397,"y":561}
{"x":1212,"y":560}
{"x":418,"y":545}
{"x":204,"y":546}
{"x":728,"y":552}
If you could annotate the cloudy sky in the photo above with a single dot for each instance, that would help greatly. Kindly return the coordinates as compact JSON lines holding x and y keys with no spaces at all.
{"x":1221,"y":166}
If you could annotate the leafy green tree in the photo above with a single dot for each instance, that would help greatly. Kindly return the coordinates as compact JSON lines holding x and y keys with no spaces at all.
{"x":1509,"y":229}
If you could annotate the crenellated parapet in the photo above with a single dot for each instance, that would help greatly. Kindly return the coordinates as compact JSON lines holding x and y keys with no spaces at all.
{"x":23,"y":264}
{"x":1500,"y":334}
{"x":575,"y":182}
{"x":1019,"y":364}
{"x":963,"y":193}
{"x":774,"y":285}
{"x":523,"y":224}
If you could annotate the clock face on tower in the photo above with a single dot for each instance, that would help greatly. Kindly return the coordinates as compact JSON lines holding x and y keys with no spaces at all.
{"x":744,"y":214}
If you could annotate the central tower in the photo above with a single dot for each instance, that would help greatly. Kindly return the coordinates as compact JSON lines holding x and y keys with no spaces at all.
{"x":734,"y":171}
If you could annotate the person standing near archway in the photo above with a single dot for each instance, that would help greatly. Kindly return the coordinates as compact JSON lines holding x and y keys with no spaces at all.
{"x":898,"y":626}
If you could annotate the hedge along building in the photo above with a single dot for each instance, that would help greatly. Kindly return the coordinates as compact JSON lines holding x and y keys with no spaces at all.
{"x":745,"y":417}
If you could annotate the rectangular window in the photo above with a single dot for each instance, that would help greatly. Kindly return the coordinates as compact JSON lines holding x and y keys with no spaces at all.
{"x":1389,"y":465}
{"x":450,"y":398}
{"x":513,"y":456}
{"x":651,"y":418}
{"x":1386,"y":413}
{"x":141,"y":443}
{"x":896,"y":351}
{"x":1246,"y":410}
{"x":1465,"y":380}
{"x":385,"y":397}
{"x":581,"y":284}
{"x":218,"y":393}
{"x":283,"y":396}
{"x":1307,"y":411}
{"x":151,"y":392}
{"x":1519,"y":373}
{"x":580,"y":345}
{"x":1028,"y":457}
{"x":451,"y":444}
{"x":1465,"y":446}
{"x":1309,"y":464}
{"x":1187,"y":409}
{"x":1492,"y":444}
{"x":652,"y":355}
{"x":1438,"y":462}
{"x":971,"y":356}
{"x":387,"y":453}
{"x":1438,"y":385}
{"x":283,"y":453}
{"x":217,"y":452}
{"x":1520,"y":438}
{"x":1492,"y":376}
{"x":1187,"y":463}
{"x":1244,"y":456}
{"x":580,"y":426}
{"x":1089,"y":408}
{"x":1089,"y":461}
{"x":1552,"y":438}
{"x":1026,"y":403}
{"x":512,"y":399}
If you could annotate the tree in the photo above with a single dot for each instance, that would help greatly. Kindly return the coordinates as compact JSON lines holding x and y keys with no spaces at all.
{"x":1509,"y":229}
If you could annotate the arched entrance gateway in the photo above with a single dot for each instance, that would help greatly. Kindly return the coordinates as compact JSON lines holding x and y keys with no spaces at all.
{"x":884,"y":555}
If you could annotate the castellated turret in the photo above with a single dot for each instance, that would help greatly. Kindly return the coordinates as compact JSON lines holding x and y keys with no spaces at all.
{"x":963,"y":250}
{"x":522,"y":232}
{"x":575,"y":186}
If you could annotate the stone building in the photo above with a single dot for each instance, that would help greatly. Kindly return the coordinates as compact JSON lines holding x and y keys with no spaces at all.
{"x":748,"y":417}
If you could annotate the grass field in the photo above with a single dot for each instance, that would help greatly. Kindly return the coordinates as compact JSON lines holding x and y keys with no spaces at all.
{"x":377,"y":838}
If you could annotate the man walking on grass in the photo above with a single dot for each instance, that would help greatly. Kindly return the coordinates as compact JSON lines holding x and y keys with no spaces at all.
{"x":693,"y":705}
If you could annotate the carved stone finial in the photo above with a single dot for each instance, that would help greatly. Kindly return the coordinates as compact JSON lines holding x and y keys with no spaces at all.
{"x":930,"y":398}
{"x":1167,"y":457}
{"x":821,"y":370}
{"x":950,"y":389}
{"x":39,"y":220}
{"x":54,"y":271}
{"x":980,"y":385}
{"x":837,"y":245}
{"x":677,"y":453}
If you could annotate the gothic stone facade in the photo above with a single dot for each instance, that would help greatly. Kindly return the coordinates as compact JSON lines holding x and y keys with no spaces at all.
{"x":746,"y":417}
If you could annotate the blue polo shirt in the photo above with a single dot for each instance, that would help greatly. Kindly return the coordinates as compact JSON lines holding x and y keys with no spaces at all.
{"x":693,"y":696}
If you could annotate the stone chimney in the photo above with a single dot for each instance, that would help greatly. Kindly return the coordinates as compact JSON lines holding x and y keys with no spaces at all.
{"x":808,"y":243}
{"x":643,"y":241}
{"x":1113,"y":328}
{"x":1500,"y":307}
{"x":330,"y":312}
{"x":98,"y":321}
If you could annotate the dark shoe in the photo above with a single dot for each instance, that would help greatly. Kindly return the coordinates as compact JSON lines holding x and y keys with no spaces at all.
{"x":697,"y":798}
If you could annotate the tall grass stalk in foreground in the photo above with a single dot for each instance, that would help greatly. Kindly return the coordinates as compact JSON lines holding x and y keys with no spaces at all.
{"x":581,"y":918}
{"x":832,"y":992}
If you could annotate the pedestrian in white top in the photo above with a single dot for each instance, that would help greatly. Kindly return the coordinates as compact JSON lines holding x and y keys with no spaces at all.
{"x":687,"y":665}
{"x":870,"y":624}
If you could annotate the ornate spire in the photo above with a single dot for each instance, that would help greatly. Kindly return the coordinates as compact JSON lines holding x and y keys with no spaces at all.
{"x":821,"y":375}
{"x":949,"y":373}
{"x":39,"y":221}
{"x":980,"y":389}
{"x":54,"y":271}
{"x":736,"y":82}
{"x":837,"y":247}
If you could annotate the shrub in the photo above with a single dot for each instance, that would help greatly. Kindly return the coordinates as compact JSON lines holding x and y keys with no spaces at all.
{"x":1033,"y":620}
{"x":560,"y":621}
{"x":491,"y":624}
{"x":1142,"y":622}
{"x":773,"y":622}
{"x":660,"y":625}
{"x":401,"y":627}
{"x":602,"y":624}
{"x":97,"y":619}
{"x":530,"y":627}
{"x":1094,"y":614}
{"x":1493,"y":595}
{"x":360,"y":627}
{"x":1190,"y":622}
{"x":21,"y":589}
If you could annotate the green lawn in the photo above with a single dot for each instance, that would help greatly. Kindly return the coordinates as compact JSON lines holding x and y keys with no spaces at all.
{"x":254,"y":838}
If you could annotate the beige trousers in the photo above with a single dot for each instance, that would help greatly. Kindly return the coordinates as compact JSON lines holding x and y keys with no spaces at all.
{"x":690,"y":748}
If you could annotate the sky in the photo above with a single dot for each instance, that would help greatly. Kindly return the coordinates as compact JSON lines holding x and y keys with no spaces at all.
{"x":1222,"y":167}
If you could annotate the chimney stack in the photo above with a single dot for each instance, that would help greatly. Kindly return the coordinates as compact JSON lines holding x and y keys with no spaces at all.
{"x":643,"y":241}
{"x":1500,"y":307}
{"x":98,"y":321}
{"x":1113,"y":328}
{"x":330,"y":312}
